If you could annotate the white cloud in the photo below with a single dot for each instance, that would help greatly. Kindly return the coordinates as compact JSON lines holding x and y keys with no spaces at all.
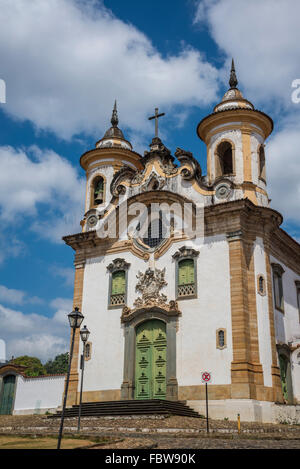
{"x":17,"y":297}
{"x":76,"y":57}
{"x":263,"y":37}
{"x":9,"y":295}
{"x":283,"y":171}
{"x":45,"y":186}
{"x":10,"y":246}
{"x":34,"y":334}
{"x":66,"y":273}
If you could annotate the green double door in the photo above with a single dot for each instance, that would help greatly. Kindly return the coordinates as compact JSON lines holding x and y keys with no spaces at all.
{"x":7,"y":395}
{"x":151,"y":360}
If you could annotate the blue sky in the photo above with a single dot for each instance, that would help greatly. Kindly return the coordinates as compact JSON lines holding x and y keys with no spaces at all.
{"x":64,"y":62}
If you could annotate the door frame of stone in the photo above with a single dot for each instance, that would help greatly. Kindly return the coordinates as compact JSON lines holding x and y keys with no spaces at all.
{"x":140,"y":316}
{"x":4,"y":375}
{"x":284,"y":351}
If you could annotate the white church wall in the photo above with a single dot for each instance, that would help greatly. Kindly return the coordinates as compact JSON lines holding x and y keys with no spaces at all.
{"x":105,"y":369}
{"x":263,"y":321}
{"x":38,"y":395}
{"x":201,"y":317}
{"x":287,"y":324}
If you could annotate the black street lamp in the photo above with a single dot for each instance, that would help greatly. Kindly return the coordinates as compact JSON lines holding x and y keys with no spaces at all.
{"x":75,"y":320}
{"x":84,"y":334}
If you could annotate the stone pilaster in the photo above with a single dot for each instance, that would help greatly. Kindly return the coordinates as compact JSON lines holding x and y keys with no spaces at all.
{"x":246,"y":371}
{"x":276,"y":381}
{"x":77,"y":301}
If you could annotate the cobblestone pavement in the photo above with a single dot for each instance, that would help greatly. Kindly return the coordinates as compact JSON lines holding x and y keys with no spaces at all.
{"x":218,"y":443}
{"x":163,"y":432}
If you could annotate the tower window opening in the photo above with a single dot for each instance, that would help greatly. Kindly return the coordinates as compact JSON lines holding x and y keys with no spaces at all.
{"x":98,"y":190}
{"x":225,"y":159}
{"x":262,"y":163}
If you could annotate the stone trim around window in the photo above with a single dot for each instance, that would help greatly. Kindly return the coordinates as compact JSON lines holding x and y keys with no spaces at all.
{"x":297,"y":283}
{"x":261,"y":291}
{"x":190,"y":290}
{"x":115,"y":266}
{"x":278,"y":270}
{"x":218,"y":345}
{"x":89,"y":356}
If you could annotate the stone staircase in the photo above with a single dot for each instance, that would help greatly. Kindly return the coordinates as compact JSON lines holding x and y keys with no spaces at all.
{"x":129,"y":408}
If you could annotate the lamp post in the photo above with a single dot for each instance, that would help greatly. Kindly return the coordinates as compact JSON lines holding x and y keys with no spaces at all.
{"x":75,"y":320}
{"x":84,"y":334}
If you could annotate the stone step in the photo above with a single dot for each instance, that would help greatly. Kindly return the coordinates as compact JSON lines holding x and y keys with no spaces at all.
{"x":133,"y":407}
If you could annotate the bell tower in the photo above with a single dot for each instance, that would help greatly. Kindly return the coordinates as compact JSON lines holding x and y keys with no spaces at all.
{"x":235,"y":135}
{"x":112,"y":153}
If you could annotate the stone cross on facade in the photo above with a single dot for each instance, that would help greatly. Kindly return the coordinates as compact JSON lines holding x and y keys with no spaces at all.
{"x":156,"y":116}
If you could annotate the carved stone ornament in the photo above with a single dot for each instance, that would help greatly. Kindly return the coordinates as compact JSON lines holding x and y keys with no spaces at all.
{"x":149,"y":285}
{"x":124,"y":174}
{"x":153,"y":182}
{"x":169,"y":168}
{"x":185,"y":252}
{"x":223,"y":191}
{"x":167,"y":309}
{"x":118,"y":264}
{"x":193,"y":169}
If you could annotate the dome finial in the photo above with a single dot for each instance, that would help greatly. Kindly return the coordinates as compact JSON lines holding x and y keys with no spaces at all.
{"x":233,"y":79}
{"x":114,"y":118}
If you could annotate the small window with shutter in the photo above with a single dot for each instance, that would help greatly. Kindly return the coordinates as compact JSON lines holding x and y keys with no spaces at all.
{"x":186,"y":278}
{"x":118,"y":288}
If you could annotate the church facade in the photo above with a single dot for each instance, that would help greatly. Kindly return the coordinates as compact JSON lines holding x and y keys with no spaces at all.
{"x":177,"y":272}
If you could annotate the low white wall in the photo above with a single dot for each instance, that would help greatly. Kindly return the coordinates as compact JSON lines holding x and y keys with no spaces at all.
{"x":38,"y":395}
{"x":249,"y":410}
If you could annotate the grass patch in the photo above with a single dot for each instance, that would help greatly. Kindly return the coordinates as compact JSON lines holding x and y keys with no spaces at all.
{"x":46,"y":442}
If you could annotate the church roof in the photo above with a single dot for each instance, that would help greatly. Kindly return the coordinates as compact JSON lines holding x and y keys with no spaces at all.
{"x":233,"y":98}
{"x":114,"y":136}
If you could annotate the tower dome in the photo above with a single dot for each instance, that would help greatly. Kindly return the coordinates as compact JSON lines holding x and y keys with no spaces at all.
{"x":114,"y":136}
{"x":235,"y":134}
{"x":233,"y":98}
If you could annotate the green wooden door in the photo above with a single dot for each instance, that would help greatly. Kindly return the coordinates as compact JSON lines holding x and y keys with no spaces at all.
{"x":151,"y":360}
{"x":283,"y":377}
{"x":7,"y":395}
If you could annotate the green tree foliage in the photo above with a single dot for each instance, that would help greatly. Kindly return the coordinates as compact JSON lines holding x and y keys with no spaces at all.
{"x":58,"y":365}
{"x":33,"y":364}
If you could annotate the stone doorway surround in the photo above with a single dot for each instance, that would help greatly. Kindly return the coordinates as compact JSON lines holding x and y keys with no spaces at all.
{"x":168,"y":313}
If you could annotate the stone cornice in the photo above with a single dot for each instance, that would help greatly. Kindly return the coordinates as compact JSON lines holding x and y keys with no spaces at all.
{"x":168,"y":309}
{"x":226,"y":218}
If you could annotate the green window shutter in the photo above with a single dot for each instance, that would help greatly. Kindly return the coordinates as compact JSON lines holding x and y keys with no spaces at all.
{"x":118,"y":283}
{"x":186,"y":272}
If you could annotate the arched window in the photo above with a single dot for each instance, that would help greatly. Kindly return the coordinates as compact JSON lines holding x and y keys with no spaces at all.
{"x":224,"y":160}
{"x":88,"y":351}
{"x":221,"y":338}
{"x":186,"y":278}
{"x":98,"y":190}
{"x":262,"y":163}
{"x":261,"y":285}
{"x":155,"y":232}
